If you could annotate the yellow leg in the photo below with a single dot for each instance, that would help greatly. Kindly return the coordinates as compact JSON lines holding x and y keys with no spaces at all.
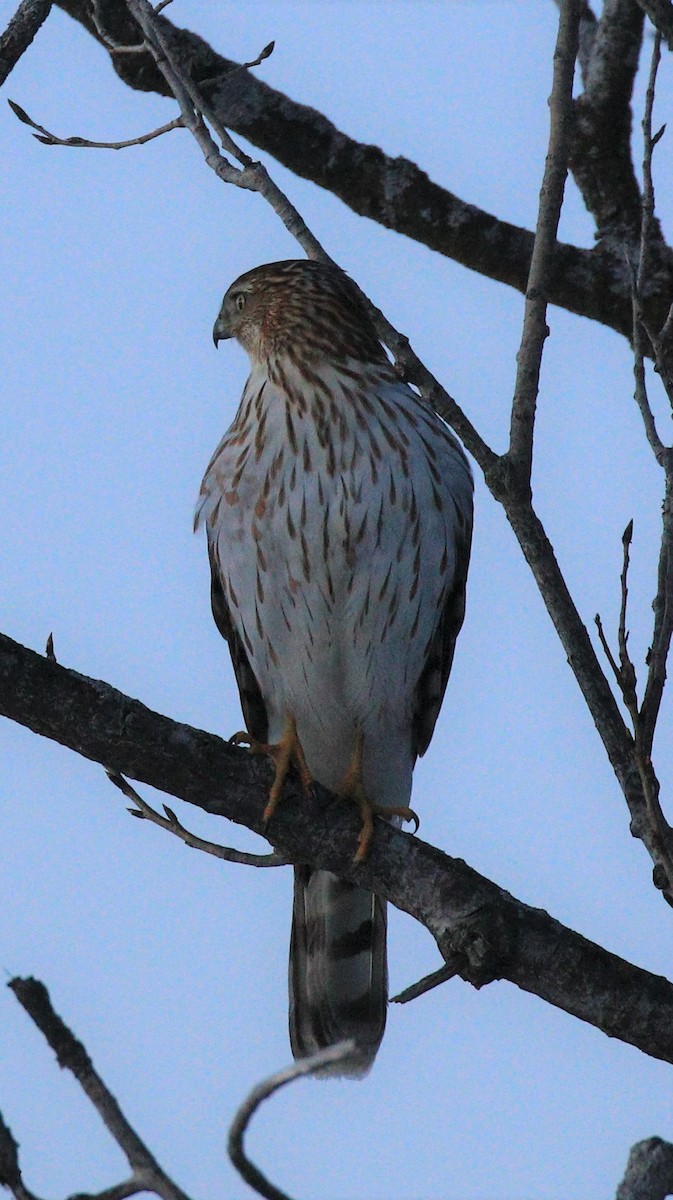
{"x":286,"y":753}
{"x":353,"y":788}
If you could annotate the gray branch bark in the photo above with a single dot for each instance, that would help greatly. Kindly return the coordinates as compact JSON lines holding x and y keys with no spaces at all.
{"x":398,"y":194}
{"x":649,"y":1171}
{"x":20,"y":32}
{"x":497,"y":936}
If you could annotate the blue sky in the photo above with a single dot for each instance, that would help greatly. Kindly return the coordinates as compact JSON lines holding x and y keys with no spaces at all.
{"x":170,"y":965}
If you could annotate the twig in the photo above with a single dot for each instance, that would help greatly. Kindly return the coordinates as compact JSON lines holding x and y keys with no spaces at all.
{"x":624,"y":671}
{"x":16,"y":39}
{"x":50,"y":139}
{"x":173,"y":825}
{"x":451,"y":968}
{"x":606,"y":647}
{"x":147,"y":1175}
{"x":627,"y":669}
{"x":639,"y":278}
{"x":535,"y":329}
{"x":663,"y":616}
{"x":328,"y":1057}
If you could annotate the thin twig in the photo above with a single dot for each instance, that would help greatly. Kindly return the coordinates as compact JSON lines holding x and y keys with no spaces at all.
{"x":173,"y":825}
{"x":50,"y":139}
{"x":639,"y":278}
{"x":451,"y":968}
{"x":535,"y":331}
{"x":606,"y":648}
{"x":330,"y":1056}
{"x":626,"y":667}
{"x":663,"y":616}
{"x":71,"y":1054}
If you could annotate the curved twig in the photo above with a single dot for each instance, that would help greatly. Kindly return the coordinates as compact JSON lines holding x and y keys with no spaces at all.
{"x":50,"y":139}
{"x":173,"y":825}
{"x":328,"y":1057}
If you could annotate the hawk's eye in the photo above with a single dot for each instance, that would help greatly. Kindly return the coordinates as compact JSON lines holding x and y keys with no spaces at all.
{"x":239,"y":300}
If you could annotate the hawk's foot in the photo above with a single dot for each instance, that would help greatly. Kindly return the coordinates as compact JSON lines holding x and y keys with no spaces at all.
{"x":353,"y":788}
{"x":286,"y":753}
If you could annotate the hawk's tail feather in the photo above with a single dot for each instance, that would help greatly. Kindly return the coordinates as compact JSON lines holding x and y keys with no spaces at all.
{"x":338,"y":973}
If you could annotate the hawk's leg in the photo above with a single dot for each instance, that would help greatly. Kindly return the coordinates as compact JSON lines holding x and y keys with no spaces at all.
{"x":353,"y":788}
{"x":286,"y":753}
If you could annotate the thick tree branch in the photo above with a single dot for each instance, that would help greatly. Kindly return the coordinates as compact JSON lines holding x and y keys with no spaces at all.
{"x":391,"y":191}
{"x":601,"y":157}
{"x":20,"y":32}
{"x":649,"y":1171}
{"x":498,"y":936}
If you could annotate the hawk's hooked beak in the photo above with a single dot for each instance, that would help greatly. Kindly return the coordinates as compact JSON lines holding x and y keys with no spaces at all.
{"x":221,"y":330}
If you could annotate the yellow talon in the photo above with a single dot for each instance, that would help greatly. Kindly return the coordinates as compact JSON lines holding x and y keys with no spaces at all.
{"x":286,"y":753}
{"x":353,"y":788}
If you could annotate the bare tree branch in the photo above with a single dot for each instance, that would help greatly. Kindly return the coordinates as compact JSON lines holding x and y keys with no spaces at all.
{"x":535,"y":331}
{"x":498,"y":936}
{"x":147,"y":1175}
{"x":662,"y":633}
{"x":392,"y":191}
{"x":171,"y":823}
{"x":50,"y":139}
{"x":16,"y":39}
{"x":601,"y":157}
{"x":311,"y":1065}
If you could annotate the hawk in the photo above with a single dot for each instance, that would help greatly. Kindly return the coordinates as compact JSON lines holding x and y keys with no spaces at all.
{"x":338,"y":512}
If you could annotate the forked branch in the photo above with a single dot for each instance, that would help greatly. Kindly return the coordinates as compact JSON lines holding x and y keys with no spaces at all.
{"x":146,"y":1174}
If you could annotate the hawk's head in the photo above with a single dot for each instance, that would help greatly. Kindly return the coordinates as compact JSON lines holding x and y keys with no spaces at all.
{"x":299,"y":307}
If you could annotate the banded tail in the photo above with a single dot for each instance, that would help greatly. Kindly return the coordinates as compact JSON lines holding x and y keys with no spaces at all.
{"x":338,"y":972}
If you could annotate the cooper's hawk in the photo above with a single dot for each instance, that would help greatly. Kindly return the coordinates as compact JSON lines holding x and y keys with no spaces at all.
{"x":338,"y":509}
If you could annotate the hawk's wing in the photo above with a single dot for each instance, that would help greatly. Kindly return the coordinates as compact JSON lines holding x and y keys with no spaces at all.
{"x":254,"y":709}
{"x":435,"y":674}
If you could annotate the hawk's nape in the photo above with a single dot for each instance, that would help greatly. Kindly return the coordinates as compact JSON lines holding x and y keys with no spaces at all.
{"x":338,"y":509}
